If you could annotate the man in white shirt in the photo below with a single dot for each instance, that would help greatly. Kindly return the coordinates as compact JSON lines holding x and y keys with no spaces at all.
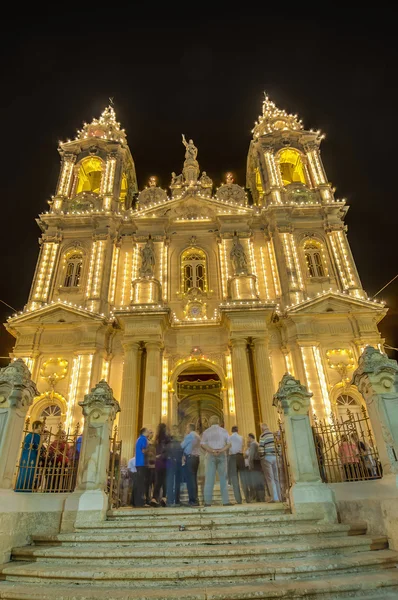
{"x":215,"y":442}
{"x":236,"y":462}
{"x":191,"y":448}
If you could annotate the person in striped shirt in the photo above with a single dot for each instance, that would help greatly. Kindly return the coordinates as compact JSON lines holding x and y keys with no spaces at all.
{"x":267,"y":453}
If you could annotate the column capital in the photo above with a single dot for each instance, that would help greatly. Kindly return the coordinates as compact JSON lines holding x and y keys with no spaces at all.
{"x":238,"y":342}
{"x":154,"y":345}
{"x":261,"y":341}
{"x":131,"y":345}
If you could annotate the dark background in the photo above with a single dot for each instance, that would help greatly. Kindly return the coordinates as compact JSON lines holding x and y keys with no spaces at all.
{"x":204,"y":77}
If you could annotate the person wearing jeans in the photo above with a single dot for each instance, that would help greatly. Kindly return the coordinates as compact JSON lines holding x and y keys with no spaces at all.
{"x":191,"y":448}
{"x":267,"y":453}
{"x":215,"y":442}
{"x":236,"y":462}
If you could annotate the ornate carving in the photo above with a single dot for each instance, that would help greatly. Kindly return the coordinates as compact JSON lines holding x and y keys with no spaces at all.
{"x":299,"y":193}
{"x":15,"y":377}
{"x":101,"y":396}
{"x":373,"y":362}
{"x":292,"y":397}
{"x":231,"y":192}
{"x":191,"y":165}
{"x":151,"y":195}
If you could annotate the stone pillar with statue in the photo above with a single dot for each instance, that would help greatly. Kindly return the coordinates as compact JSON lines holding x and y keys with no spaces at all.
{"x":89,"y":502}
{"x":377,"y":379}
{"x":308,"y":495}
{"x":17,"y":392}
{"x":242,"y":285}
{"x":147,"y":289}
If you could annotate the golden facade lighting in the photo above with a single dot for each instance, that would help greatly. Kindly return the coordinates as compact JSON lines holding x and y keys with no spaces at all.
{"x":72,"y":395}
{"x":107,"y":202}
{"x":98,"y":268}
{"x":252,"y":265}
{"x":306,"y":354}
{"x":337,"y":258}
{"x":275,"y":274}
{"x":45,"y":272}
{"x":29,"y":362}
{"x":230,"y":384}
{"x":275,"y":178}
{"x":91,"y":270}
{"x":165,"y":262}
{"x":314,"y":169}
{"x":289,"y":258}
{"x":264,"y":273}
{"x":65,"y":179}
{"x":115,"y":264}
{"x":224,"y":243}
{"x":289,"y":363}
{"x":108,"y":176}
{"x":126,"y":277}
{"x":222,"y":269}
{"x":322,"y":380}
{"x":105,"y":369}
{"x":165,"y":386}
{"x":296,"y":261}
{"x":342,"y":242}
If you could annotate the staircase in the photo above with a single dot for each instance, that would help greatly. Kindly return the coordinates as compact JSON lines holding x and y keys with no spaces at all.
{"x":209,"y":553}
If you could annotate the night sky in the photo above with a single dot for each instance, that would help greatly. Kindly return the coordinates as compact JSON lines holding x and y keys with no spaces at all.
{"x":202,"y":76}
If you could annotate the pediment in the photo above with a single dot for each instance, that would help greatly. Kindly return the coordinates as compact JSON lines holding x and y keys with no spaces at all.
{"x":54,"y":314}
{"x":193,"y":207}
{"x":334,"y":303}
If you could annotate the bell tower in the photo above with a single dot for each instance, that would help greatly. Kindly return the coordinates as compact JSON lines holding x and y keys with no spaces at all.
{"x":305,"y":223}
{"x":79,"y":244}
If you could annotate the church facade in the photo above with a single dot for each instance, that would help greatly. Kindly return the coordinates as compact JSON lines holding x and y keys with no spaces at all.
{"x":196,"y":301}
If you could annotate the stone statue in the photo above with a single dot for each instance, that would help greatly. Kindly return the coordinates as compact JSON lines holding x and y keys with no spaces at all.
{"x":205,"y":180}
{"x":191,"y":150}
{"x":238,"y":256}
{"x":147,"y":259}
{"x":176,"y":180}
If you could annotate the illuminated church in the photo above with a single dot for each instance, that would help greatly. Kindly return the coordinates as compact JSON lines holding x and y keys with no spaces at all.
{"x":194,"y":301}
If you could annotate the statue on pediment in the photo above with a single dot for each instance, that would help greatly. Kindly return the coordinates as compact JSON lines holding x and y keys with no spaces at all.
{"x":176,"y":180}
{"x":205,"y":180}
{"x":147,"y":259}
{"x":191,"y":150}
{"x":238,"y":257}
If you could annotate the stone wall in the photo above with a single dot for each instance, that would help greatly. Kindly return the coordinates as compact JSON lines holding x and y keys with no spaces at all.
{"x":23,"y":515}
{"x":375,"y":502}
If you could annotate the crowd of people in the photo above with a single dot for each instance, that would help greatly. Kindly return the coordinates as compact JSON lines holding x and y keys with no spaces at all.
{"x":166,"y":461}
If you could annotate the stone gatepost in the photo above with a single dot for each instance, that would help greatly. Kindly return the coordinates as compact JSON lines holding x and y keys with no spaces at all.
{"x":308,"y":494}
{"x":89,"y":502}
{"x":17,"y":391}
{"x":377,"y":379}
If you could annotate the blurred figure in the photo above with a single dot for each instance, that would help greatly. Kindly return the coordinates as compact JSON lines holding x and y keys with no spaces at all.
{"x":215,"y":442}
{"x":161,"y":440}
{"x":191,"y":448}
{"x":150,"y":460}
{"x":174,"y":467}
{"x":29,"y":458}
{"x":367,"y":462}
{"x":132,"y":478}
{"x":57,"y":461}
{"x":267,"y":453}
{"x":256,"y":476}
{"x":319,"y":453}
{"x":140,"y":451}
{"x":124,"y":482}
{"x":236,"y":462}
{"x":349,"y":457}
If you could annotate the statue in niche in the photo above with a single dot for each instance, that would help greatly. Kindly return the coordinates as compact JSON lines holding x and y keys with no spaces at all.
{"x":191,"y":151}
{"x":238,"y":257}
{"x":147,"y":259}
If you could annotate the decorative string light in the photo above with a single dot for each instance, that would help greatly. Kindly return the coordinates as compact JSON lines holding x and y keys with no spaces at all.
{"x":230,"y":385}
{"x":322,"y":380}
{"x":275,"y":275}
{"x":222,"y":268}
{"x":165,"y":386}
{"x":105,"y":369}
{"x":126,"y":278}
{"x":289,"y":363}
{"x":115,"y":264}
{"x":165,"y":262}
{"x":264,"y":272}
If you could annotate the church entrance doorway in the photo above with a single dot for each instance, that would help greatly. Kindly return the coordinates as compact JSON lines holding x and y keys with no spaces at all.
{"x":199,"y":397}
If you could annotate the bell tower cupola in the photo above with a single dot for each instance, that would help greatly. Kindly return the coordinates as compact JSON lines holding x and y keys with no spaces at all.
{"x":97,"y":169}
{"x":284,"y":159}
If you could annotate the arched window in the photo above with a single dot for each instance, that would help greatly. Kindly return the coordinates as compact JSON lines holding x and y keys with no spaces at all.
{"x":315,"y":258}
{"x":74,"y":263}
{"x":193,"y":270}
{"x":52,"y":414}
{"x":291,"y":166}
{"x":89,"y":175}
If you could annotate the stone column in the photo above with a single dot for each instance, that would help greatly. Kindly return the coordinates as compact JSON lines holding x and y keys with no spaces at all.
{"x":17,"y":391}
{"x":242,"y":388}
{"x":265,"y":382}
{"x":153,"y":385}
{"x":129,"y":399}
{"x":308,"y":495}
{"x":89,"y":502}
{"x":377,"y":379}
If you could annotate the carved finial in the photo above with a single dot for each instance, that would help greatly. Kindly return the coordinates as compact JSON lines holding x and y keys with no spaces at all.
{"x":152,"y":181}
{"x":229,"y":178}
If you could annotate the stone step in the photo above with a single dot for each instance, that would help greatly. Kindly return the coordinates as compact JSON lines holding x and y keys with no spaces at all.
{"x":198,"y":520}
{"x":221,"y":552}
{"x":198,"y":574}
{"x":196,"y":536}
{"x":223,"y":511}
{"x":377,"y":585}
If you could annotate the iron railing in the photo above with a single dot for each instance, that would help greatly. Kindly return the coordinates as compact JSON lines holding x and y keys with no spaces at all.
{"x":345,"y":448}
{"x":282,"y":463}
{"x":48,"y":460}
{"x":113,"y":473}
